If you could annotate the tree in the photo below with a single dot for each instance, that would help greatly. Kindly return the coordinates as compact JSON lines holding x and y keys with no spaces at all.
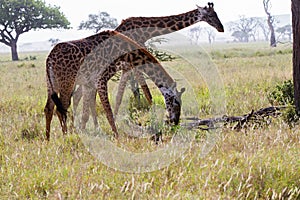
{"x":98,"y":22}
{"x":194,"y":33}
{"x":20,"y":16}
{"x":270,"y":20}
{"x":240,"y":36}
{"x":53,"y":41}
{"x":244,"y":28}
{"x":285,"y":31}
{"x":296,"y":51}
{"x":265,"y":28}
{"x":211,"y":34}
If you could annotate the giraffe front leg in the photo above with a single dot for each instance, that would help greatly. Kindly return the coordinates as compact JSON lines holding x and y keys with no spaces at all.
{"x":86,"y":93}
{"x":77,"y":94}
{"x":121,"y":88}
{"x":141,"y":80}
{"x":89,"y":105}
{"x":93,"y":107}
{"x":103,"y":94}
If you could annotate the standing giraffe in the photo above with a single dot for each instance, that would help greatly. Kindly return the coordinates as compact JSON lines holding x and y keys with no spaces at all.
{"x":109,"y":52}
{"x":141,"y":29}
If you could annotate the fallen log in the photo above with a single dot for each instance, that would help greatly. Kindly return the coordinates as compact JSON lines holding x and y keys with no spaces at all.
{"x":261,"y":115}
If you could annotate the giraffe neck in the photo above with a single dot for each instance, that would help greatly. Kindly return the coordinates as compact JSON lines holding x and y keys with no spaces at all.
{"x":147,"y":63}
{"x":143,"y":28}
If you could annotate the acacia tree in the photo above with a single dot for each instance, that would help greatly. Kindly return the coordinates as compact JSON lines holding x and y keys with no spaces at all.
{"x":194,"y":34}
{"x":296,"y":51}
{"x":244,"y":28}
{"x":211,"y":34}
{"x":264,"y":28}
{"x":98,"y":21}
{"x":53,"y":41}
{"x":20,"y":16}
{"x":270,"y":21}
{"x":284,"y":31}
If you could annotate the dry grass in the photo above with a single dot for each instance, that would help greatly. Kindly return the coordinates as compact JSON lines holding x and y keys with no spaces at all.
{"x":261,"y":163}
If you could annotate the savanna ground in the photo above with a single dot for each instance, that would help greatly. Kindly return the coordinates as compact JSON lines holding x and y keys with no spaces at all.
{"x":261,"y":162}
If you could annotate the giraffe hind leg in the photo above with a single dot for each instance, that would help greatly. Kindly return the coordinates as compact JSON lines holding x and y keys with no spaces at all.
{"x":49,"y":114}
{"x":61,"y":112}
{"x":58,"y":104}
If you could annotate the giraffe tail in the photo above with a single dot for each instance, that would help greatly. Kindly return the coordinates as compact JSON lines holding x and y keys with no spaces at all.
{"x":54,"y":96}
{"x":59,"y":106}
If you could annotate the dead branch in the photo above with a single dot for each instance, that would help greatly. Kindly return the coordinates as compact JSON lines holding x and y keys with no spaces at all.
{"x":235,"y":122}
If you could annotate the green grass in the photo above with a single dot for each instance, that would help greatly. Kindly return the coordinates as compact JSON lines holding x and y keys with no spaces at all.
{"x":260,"y":163}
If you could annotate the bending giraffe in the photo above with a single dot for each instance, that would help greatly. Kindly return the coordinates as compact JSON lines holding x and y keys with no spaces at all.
{"x":68,"y":63}
{"x":141,"y":29}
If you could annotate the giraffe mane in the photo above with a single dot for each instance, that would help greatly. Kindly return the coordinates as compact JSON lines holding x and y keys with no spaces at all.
{"x":158,"y":17}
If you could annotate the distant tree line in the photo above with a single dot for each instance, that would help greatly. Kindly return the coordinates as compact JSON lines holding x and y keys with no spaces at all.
{"x":245,"y":30}
{"x":250,"y":29}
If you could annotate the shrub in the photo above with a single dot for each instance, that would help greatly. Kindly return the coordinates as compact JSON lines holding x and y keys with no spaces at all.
{"x":283,"y":95}
{"x":137,"y":106}
{"x":30,"y":58}
{"x":160,"y":55}
{"x":21,"y":65}
{"x":290,"y":115}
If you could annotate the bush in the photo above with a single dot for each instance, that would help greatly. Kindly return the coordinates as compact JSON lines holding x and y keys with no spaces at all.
{"x":290,"y":115}
{"x":138,"y":106}
{"x":160,"y":55}
{"x":30,"y":58}
{"x":283,"y":95}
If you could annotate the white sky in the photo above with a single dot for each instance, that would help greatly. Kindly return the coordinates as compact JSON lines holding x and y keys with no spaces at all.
{"x":78,"y":10}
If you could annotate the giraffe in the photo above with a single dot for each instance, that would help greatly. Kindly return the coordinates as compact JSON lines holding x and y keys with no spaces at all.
{"x":108,"y":52}
{"x":141,"y":29}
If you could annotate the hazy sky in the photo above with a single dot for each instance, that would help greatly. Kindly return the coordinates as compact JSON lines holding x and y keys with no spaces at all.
{"x":227,"y":10}
{"x":77,"y":11}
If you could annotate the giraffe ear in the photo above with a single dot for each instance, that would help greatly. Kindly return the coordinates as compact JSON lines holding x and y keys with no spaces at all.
{"x":182,"y":90}
{"x":202,"y":11}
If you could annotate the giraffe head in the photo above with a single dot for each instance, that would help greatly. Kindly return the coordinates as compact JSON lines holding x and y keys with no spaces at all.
{"x":173,"y":102}
{"x":209,"y":15}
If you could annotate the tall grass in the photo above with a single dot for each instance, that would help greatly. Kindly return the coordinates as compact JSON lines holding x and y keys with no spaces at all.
{"x":254,"y":163}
